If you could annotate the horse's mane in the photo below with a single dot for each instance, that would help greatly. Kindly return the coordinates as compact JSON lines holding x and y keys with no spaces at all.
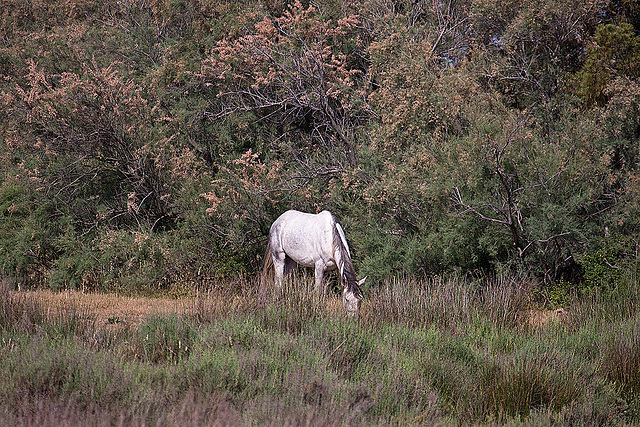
{"x":346,"y":271}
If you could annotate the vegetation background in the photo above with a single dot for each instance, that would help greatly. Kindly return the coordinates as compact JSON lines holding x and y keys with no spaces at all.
{"x":145,"y":143}
{"x":146,"y":147}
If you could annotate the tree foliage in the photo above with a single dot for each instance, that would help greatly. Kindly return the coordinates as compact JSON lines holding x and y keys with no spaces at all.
{"x":144,"y":146}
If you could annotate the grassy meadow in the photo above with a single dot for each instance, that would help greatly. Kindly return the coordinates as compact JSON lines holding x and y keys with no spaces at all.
{"x":443,"y":351}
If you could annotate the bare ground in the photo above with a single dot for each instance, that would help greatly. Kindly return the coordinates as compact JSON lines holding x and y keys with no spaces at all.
{"x":110,"y":309}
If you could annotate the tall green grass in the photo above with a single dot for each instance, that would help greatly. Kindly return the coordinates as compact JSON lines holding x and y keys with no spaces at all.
{"x":440,"y":351}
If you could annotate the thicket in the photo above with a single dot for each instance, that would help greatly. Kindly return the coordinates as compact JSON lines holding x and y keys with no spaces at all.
{"x":144,"y":145}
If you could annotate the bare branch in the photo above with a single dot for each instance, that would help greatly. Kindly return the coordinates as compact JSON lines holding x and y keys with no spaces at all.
{"x":457,"y":197}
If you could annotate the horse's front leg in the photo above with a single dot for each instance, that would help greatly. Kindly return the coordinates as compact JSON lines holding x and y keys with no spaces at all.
{"x":319,"y":275}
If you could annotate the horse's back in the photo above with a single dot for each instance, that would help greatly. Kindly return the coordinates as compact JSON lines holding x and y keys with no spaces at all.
{"x":298,"y":215}
{"x":293,"y":219}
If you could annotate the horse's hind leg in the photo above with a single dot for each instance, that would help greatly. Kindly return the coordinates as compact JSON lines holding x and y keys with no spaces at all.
{"x":319,"y":275}
{"x":279,"y":267}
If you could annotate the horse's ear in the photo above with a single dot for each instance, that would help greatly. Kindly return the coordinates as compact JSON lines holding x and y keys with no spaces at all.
{"x":361,"y":281}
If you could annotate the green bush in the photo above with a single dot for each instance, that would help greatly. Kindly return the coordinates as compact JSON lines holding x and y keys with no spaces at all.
{"x":600,"y":271}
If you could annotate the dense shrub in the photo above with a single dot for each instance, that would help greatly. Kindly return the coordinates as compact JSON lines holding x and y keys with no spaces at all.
{"x":148,"y":146}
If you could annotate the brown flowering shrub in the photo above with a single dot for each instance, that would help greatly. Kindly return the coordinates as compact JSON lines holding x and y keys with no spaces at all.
{"x":298,"y":71}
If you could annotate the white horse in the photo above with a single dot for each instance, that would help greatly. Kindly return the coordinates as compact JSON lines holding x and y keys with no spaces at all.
{"x":316,"y":241}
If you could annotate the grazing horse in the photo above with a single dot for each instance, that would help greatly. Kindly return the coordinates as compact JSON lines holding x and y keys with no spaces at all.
{"x":313,"y":241}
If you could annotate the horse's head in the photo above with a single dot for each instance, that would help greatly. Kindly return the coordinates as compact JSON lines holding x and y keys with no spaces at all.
{"x":351,"y":302}
{"x":351,"y":299}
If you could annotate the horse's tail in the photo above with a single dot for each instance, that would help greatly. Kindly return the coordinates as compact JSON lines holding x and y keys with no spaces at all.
{"x":345,"y":265}
{"x":267,"y":264}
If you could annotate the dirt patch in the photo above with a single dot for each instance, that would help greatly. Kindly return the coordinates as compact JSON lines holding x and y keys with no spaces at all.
{"x":110,"y":309}
{"x":538,"y":318}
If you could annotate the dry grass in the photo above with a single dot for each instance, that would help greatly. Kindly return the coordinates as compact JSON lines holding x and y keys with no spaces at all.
{"x":110,"y":309}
